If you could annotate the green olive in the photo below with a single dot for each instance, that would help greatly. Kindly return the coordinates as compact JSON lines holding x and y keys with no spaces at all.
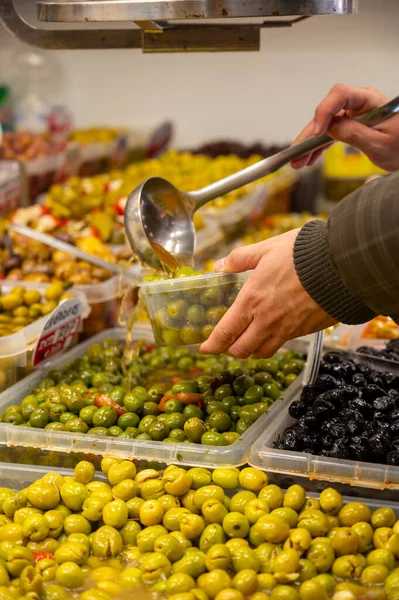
{"x":354,"y":512}
{"x":272,"y":495}
{"x":294,"y":497}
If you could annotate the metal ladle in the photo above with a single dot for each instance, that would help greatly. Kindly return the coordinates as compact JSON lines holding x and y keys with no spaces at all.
{"x":159,"y":218}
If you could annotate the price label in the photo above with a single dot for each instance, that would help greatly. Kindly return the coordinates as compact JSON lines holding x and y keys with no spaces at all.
{"x":58,"y":331}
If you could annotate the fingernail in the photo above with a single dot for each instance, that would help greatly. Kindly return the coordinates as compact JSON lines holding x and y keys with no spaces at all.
{"x":219,"y":265}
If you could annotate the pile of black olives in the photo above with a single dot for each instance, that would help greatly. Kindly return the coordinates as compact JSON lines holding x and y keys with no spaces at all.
{"x":390,"y":352}
{"x":351,"y":412}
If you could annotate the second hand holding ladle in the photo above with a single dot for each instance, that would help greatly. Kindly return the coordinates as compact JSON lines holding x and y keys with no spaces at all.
{"x":159,"y":217}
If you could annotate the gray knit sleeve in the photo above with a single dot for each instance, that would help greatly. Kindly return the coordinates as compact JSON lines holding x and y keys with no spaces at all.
{"x":321,"y":280}
{"x":350,"y":265}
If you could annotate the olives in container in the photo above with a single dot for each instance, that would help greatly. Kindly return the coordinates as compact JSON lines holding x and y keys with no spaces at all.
{"x":226,"y":534}
{"x":185,"y":310}
{"x":351,"y":412}
{"x":163,"y":394}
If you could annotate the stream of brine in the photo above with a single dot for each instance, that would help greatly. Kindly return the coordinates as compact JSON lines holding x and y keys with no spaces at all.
{"x":133,"y":304}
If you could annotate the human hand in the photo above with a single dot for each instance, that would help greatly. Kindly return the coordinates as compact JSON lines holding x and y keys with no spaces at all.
{"x":334,"y":115}
{"x":271,"y":308}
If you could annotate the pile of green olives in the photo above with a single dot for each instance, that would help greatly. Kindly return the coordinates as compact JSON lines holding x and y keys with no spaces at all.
{"x":186,"y":312}
{"x":190,"y":535}
{"x":214,"y":402}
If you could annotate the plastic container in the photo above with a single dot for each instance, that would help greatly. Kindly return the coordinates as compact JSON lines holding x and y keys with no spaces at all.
{"x":184,"y":311}
{"x":301,"y":464}
{"x":46,"y":447}
{"x":11,"y":186}
{"x":16,"y":350}
{"x":41,"y":174}
{"x":104,"y":301}
{"x":97,"y":157}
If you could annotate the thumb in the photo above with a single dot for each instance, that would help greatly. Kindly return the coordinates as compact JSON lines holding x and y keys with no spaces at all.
{"x":241,"y":259}
{"x":356,"y":134}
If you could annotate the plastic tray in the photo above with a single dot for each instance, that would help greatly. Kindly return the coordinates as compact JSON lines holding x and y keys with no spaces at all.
{"x":16,"y":349}
{"x":65,"y":449}
{"x":300,"y":464}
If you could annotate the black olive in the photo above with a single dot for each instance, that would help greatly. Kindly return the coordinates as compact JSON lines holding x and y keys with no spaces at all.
{"x":394,"y":414}
{"x":364,"y":368}
{"x":391,"y":381}
{"x":310,"y":420}
{"x":379,"y":415}
{"x":324,"y":368}
{"x":360,"y":405}
{"x":376,"y":379}
{"x":350,"y":391}
{"x":371,"y":391}
{"x":292,"y":442}
{"x":322,"y":409}
{"x":337,"y":430}
{"x":335,"y":397}
{"x":339,"y":449}
{"x":354,"y":426}
{"x":358,"y":451}
{"x":359,"y":380}
{"x":308,"y":394}
{"x":393,"y":458}
{"x":380,"y":425}
{"x":312,"y":440}
{"x":379,"y":444}
{"x":326,"y":382}
{"x":395,"y":444}
{"x":302,"y":422}
{"x":325,"y":426}
{"x":384,"y":404}
{"x":394,"y":428}
{"x":297,"y":409}
{"x":327,"y":442}
{"x":343,"y":370}
{"x":332,"y":357}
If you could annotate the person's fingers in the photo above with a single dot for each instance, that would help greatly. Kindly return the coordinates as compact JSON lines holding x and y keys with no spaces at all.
{"x":344,"y":97}
{"x":249,"y":341}
{"x":269,"y":347}
{"x":229,"y":328}
{"x":241,"y":259}
{"x":317,"y":154}
{"x":351,"y":132}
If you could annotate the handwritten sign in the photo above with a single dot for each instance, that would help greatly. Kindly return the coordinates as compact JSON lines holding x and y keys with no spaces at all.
{"x":59,"y":330}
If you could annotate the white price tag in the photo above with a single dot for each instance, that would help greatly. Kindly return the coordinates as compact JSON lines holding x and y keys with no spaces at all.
{"x":59,"y":330}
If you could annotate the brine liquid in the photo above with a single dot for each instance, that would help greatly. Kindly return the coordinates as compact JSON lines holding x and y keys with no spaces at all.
{"x":132,"y":301}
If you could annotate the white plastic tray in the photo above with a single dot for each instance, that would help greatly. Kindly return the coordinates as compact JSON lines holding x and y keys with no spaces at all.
{"x":301,"y":464}
{"x":60,"y":442}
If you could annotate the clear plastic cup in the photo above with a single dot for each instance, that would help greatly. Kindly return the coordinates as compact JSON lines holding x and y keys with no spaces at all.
{"x":184,"y":311}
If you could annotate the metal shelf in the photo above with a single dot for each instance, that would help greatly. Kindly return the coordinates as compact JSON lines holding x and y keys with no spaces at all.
{"x":173,"y":26}
{"x":147,"y":10}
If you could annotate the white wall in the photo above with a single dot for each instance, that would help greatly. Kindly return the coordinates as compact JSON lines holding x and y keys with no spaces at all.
{"x":267,"y":95}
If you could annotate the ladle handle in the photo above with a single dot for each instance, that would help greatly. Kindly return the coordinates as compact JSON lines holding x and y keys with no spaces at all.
{"x":272,"y":164}
{"x":59,"y":245}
